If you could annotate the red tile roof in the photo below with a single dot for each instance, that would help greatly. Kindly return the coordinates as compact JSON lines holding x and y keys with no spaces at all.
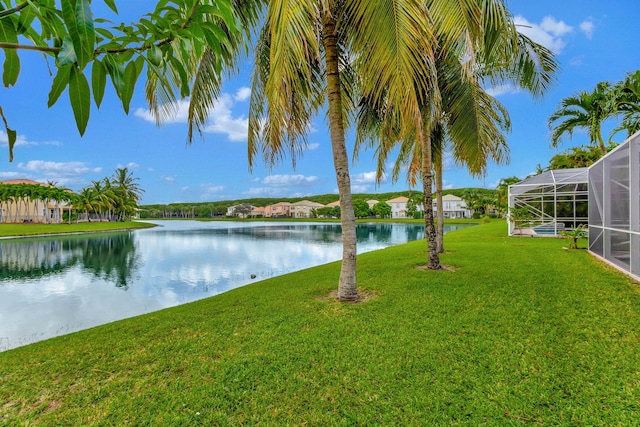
{"x":23,"y":181}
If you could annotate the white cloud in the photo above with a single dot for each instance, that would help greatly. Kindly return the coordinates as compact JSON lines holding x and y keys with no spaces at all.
{"x":360,"y":188}
{"x":548,"y":33}
{"x":22,"y":140}
{"x":448,"y":161}
{"x":242,"y":94}
{"x":312,"y":146}
{"x":185,"y":188}
{"x":587,"y":28}
{"x":221,"y":119}
{"x":366,"y":178}
{"x":168,"y":178}
{"x":577,"y":60}
{"x":58,"y":168}
{"x":10,"y":175}
{"x":557,"y":28}
{"x":265,"y":191}
{"x":63,"y":173}
{"x":289,"y":180}
{"x":132,"y":166}
{"x":282,"y":186}
{"x":506,"y":89}
{"x":210,"y":190}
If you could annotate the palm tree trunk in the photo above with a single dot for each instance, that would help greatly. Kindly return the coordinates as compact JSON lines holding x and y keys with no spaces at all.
{"x":427,"y":184}
{"x":439,"y":207}
{"x":347,"y":290}
{"x":603,"y":147}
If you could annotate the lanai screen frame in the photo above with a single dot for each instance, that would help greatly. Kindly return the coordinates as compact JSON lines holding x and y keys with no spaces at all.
{"x":614,"y":207}
{"x":555,"y":187}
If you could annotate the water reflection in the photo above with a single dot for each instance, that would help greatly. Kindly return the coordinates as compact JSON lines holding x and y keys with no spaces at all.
{"x":55,"y":285}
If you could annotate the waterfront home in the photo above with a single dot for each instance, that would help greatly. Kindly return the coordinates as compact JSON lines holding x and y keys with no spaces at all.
{"x":280,"y":209}
{"x":257,"y":212}
{"x":399,"y":207}
{"x":453,"y":207}
{"x":32,"y":205}
{"x":304,"y":208}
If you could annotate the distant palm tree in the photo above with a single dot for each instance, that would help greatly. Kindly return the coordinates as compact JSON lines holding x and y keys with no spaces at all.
{"x":127,"y":192}
{"x":588,"y":110}
{"x":87,"y":201}
{"x":502,"y":199}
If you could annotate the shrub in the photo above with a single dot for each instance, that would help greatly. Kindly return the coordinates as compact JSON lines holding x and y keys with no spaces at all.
{"x":486,"y":219}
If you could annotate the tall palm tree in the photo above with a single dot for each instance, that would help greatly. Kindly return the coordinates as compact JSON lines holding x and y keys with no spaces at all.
{"x":587,"y":110}
{"x":473,"y":120}
{"x":311,"y":52}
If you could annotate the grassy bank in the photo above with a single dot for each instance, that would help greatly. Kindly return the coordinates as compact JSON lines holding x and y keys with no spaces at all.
{"x":520,"y":333}
{"x":7,"y":230}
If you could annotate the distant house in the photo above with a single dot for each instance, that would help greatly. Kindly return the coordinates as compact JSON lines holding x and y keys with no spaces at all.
{"x":304,"y":208}
{"x":240,"y":211}
{"x":398,"y":207}
{"x":372,"y":203}
{"x":333,"y":204}
{"x":453,"y":207}
{"x":30,"y":208}
{"x":279,"y":209}
{"x":257,"y":212}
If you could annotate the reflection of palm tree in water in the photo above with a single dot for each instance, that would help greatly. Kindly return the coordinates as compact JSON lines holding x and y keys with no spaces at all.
{"x":111,"y":257}
{"x":27,"y":259}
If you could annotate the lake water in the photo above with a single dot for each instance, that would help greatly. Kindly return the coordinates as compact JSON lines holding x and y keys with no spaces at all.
{"x":51,"y":286}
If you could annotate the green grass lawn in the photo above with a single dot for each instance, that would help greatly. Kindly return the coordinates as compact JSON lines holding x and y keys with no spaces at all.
{"x":7,"y":230}
{"x":521,"y":333}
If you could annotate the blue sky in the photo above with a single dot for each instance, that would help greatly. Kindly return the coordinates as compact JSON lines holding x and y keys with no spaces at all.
{"x":593,"y":40}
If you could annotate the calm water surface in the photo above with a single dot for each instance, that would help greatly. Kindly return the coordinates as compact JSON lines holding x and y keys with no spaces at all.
{"x":55,"y":285}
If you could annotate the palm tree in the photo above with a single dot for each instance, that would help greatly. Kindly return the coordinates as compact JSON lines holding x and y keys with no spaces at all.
{"x":577,"y":157}
{"x":502,"y":200}
{"x":86,"y":200}
{"x":585,"y":110}
{"x":311,"y":52}
{"x":473,"y":120}
{"x":127,"y":192}
{"x":628,"y":104}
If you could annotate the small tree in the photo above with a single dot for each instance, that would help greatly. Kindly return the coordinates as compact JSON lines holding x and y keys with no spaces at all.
{"x":578,"y":233}
{"x":411,"y":208}
{"x":361,"y":208}
{"x":243,"y":210}
{"x":382,"y":209}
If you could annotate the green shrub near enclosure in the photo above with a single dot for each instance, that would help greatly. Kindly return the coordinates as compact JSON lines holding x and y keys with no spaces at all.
{"x":517,"y":332}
